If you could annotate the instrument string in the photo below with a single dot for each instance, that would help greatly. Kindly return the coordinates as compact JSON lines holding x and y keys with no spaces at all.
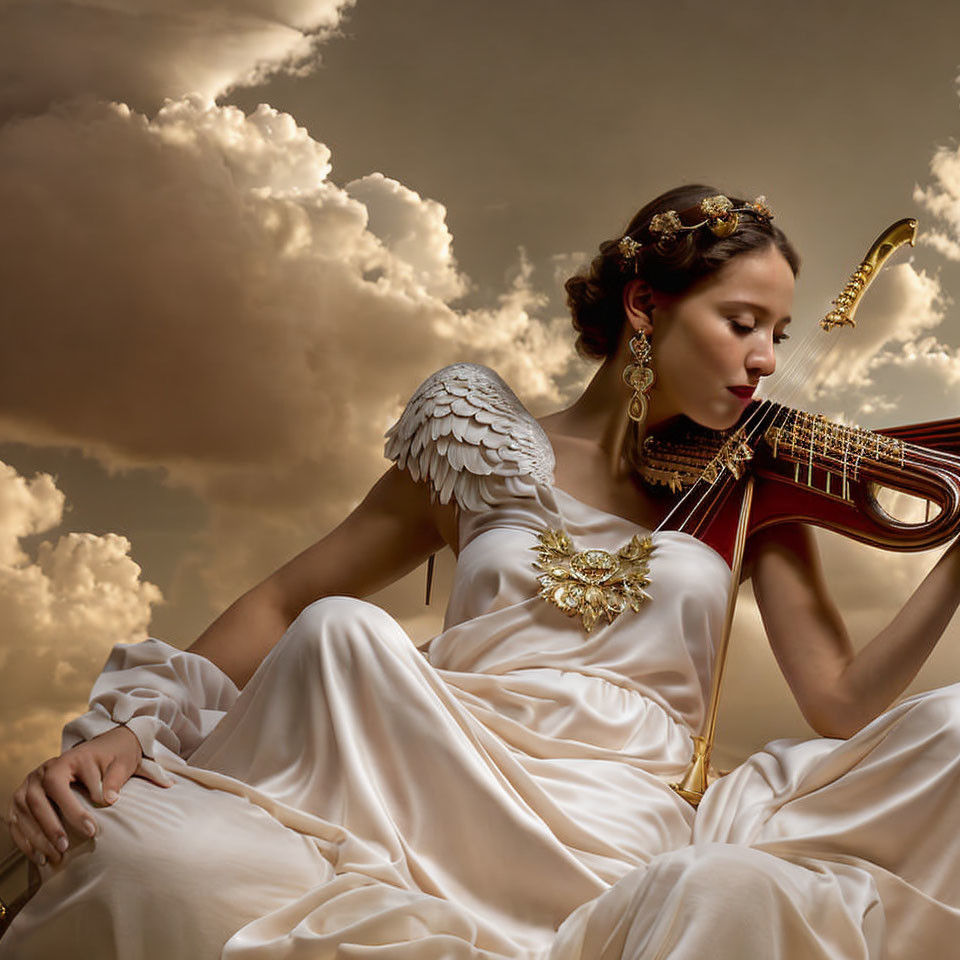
{"x":794,"y":378}
{"x":804,"y":372}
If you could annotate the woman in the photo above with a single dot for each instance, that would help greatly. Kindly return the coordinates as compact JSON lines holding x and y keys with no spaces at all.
{"x":508,"y":795}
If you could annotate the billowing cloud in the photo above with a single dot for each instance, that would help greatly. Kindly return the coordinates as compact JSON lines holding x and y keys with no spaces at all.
{"x":942,"y":199}
{"x":196,"y":294}
{"x":146,"y":51}
{"x":61,"y":611}
{"x":894,"y":324}
{"x":26,"y":507}
{"x":413,"y":229}
{"x":903,"y":354}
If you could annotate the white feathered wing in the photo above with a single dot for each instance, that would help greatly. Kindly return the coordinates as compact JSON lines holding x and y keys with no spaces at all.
{"x":464,"y":430}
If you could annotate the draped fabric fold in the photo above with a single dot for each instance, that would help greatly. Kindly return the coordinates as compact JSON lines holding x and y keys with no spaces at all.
{"x":505,"y":794}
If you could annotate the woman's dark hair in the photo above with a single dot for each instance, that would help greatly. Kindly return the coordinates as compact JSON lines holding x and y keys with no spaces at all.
{"x":595,"y":296}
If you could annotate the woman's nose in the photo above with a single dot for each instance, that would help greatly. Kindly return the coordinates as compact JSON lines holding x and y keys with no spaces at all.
{"x":762,"y":359}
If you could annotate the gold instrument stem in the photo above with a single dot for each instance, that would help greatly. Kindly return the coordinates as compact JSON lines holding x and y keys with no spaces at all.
{"x":694,"y":783}
{"x":735,"y":571}
{"x":846,"y":303}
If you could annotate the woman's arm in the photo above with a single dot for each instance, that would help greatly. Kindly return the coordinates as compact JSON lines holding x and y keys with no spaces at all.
{"x":389,"y":534}
{"x":840,"y":691}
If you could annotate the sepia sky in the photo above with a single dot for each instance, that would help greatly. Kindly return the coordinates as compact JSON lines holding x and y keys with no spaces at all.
{"x":236,"y":239}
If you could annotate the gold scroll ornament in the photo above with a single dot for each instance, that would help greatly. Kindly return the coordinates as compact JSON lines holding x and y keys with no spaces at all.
{"x":845,"y":306}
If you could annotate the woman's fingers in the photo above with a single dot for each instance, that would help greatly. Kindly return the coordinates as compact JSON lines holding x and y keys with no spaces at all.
{"x":41,"y":850}
{"x":115,"y":776}
{"x":24,"y":845}
{"x":120,"y":763}
{"x":47,"y":800}
{"x":45,"y":817}
{"x":58,"y":787}
{"x":87,"y":771}
{"x":32,"y":808}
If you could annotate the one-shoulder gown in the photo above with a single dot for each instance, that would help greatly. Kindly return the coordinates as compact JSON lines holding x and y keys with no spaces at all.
{"x":505,"y":793}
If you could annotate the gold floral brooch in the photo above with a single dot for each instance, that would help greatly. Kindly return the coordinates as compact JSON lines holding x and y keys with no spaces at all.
{"x":592,"y":583}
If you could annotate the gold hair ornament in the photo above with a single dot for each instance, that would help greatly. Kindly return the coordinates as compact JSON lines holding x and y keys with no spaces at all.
{"x":717,"y":214}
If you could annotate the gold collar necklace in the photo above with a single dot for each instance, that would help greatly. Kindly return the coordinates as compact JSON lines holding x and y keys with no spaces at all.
{"x":594,"y":583}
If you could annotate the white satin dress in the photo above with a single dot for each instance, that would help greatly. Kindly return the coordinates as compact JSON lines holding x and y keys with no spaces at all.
{"x":504,"y":795}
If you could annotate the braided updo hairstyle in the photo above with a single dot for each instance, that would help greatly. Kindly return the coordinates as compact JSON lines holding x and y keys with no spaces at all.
{"x":595,"y":296}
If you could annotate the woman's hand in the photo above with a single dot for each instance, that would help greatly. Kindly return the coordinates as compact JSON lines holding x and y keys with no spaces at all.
{"x":102,"y":765}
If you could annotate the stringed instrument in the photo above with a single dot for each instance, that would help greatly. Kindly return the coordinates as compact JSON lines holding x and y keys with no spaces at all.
{"x":809,"y":469}
{"x":781,"y":464}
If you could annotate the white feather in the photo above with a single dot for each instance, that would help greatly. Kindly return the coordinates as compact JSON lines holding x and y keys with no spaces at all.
{"x":462,"y":430}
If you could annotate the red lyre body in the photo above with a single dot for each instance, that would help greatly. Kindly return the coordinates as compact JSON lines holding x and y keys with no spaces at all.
{"x":797,"y":488}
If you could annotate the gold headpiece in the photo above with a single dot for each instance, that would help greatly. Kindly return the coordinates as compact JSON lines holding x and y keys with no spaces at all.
{"x":717,"y":214}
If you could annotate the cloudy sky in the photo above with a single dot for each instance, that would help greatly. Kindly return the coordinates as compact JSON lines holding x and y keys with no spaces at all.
{"x":237,"y":237}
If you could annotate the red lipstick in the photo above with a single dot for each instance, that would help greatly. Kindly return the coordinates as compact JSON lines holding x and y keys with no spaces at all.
{"x":745,"y":392}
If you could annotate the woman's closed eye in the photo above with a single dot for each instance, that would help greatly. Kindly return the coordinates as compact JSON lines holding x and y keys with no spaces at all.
{"x":741,"y":323}
{"x":744,"y":324}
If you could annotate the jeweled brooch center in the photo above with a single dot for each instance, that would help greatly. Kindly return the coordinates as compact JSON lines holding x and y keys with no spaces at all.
{"x":592,"y":583}
{"x":594,"y":566}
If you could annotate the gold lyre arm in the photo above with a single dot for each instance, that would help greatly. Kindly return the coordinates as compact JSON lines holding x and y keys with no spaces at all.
{"x":693,"y":785}
{"x":895,"y":236}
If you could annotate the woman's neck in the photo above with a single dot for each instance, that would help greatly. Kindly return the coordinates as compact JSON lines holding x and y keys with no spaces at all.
{"x":599,"y":414}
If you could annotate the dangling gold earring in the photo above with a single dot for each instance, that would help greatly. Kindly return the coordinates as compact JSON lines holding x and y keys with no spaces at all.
{"x":639,"y":375}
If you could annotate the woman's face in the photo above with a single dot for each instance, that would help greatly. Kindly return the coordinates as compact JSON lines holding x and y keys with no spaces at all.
{"x":712,"y":344}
